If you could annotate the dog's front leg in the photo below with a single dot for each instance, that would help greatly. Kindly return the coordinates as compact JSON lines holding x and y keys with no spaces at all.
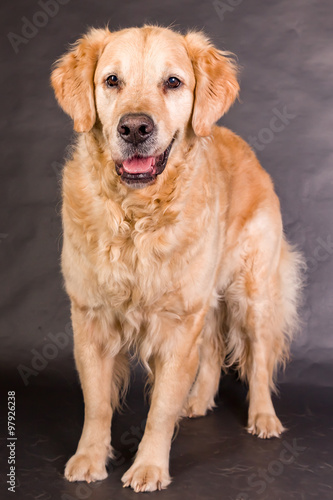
{"x":174,"y":375}
{"x":95,"y":370}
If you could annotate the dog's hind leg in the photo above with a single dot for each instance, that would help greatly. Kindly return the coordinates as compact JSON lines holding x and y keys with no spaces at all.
{"x":263,"y":299}
{"x":274,"y":320}
{"x":202,"y":394}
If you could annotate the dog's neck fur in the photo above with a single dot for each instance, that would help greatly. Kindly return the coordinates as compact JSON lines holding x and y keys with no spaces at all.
{"x":104,"y":214}
{"x":168,"y":190}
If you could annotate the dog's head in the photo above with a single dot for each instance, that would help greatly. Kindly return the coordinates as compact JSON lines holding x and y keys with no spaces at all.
{"x":146,"y":88}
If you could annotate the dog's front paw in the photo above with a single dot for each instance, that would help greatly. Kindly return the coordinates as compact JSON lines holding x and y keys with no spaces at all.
{"x":146,"y":478}
{"x":86,"y":467}
{"x":265,"y":425}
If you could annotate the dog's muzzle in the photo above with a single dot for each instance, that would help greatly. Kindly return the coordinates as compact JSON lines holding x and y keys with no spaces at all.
{"x":141,"y":171}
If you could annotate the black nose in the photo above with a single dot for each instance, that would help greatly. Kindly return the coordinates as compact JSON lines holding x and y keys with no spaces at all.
{"x":135,"y":128}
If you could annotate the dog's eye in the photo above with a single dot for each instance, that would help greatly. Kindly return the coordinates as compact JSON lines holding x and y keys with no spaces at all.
{"x":173,"y":82}
{"x":112,"y":81}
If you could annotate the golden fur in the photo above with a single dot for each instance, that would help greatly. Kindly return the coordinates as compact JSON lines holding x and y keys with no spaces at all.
{"x":192,"y":271}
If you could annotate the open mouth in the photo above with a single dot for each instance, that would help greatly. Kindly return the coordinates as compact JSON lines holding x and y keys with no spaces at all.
{"x":140,"y":171}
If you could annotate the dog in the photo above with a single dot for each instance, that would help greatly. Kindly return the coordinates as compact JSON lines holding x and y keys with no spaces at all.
{"x":173,"y":246}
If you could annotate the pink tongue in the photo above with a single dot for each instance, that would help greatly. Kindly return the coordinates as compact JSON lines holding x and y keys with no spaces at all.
{"x":139,"y":165}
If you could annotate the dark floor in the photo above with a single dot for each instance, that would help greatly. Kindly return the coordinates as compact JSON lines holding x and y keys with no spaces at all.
{"x":211,"y":457}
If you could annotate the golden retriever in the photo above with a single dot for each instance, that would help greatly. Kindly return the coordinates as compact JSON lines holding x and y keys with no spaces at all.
{"x":173,"y":241}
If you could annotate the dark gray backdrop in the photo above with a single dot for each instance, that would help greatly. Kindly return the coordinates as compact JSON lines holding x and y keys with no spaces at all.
{"x":286,"y":53}
{"x":285,"y":50}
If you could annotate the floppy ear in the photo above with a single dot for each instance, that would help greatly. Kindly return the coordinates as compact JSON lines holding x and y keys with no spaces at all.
{"x":216,"y":82}
{"x":73,"y":79}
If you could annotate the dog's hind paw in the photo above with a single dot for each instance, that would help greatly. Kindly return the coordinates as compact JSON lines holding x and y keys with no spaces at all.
{"x":196,"y":407}
{"x":265,"y":425}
